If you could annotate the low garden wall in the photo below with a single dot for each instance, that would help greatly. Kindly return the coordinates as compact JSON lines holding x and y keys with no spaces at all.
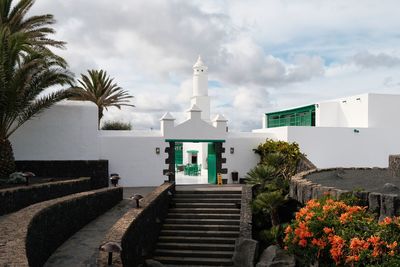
{"x":15,"y":198}
{"x":28,"y":237}
{"x":303,"y":190}
{"x":138,"y":230}
{"x":97,"y":170}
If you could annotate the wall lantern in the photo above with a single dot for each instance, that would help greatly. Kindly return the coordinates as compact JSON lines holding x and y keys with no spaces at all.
{"x":232,"y":150}
{"x":157,"y":150}
{"x":356,"y":130}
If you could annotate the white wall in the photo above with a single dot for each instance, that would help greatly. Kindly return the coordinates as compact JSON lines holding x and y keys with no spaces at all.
{"x":66,"y":131}
{"x":134,"y":158}
{"x":384,"y":111}
{"x":342,"y":147}
{"x":327,"y":114}
{"x":243,"y":159}
{"x":344,"y":112}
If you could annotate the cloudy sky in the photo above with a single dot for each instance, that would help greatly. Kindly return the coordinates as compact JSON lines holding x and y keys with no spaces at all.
{"x":262,"y":55}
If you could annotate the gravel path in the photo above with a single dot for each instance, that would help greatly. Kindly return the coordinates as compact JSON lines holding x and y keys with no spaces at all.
{"x":82,"y":248}
{"x":372,"y":180}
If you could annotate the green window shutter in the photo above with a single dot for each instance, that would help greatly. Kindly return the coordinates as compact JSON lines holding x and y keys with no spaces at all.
{"x":304,"y":116}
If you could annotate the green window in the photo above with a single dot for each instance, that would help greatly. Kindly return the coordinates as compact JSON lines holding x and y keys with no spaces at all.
{"x":304,"y":116}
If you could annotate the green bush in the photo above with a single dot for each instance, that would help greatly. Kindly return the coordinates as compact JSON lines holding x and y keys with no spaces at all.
{"x":282,"y":155}
{"x":270,"y":179}
{"x":116,"y":125}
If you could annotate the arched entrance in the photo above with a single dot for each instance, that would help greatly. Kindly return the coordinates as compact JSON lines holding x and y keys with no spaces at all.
{"x":193,"y":164}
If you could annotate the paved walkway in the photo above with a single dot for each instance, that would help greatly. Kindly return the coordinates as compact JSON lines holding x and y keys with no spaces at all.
{"x":82,"y":248}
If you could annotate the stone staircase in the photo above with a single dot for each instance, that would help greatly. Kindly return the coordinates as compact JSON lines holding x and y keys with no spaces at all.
{"x":200,"y":229}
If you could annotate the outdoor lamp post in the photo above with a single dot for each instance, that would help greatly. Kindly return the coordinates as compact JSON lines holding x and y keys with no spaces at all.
{"x":110,"y":247}
{"x":114,"y":177}
{"x":137,"y":197}
{"x":27,"y":176}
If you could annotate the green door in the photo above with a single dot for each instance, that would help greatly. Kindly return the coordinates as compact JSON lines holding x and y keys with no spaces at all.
{"x":212,"y":164}
{"x":178,"y":153}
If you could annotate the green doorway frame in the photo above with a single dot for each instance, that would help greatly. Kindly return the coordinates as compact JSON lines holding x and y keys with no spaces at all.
{"x":214,"y":157}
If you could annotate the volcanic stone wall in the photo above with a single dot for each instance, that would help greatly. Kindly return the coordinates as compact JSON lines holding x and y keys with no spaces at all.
{"x":137,"y":231}
{"x":28,"y":237}
{"x":15,"y":198}
{"x":304,"y":190}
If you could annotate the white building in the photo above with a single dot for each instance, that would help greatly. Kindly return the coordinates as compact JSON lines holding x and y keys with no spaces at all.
{"x":356,"y":131}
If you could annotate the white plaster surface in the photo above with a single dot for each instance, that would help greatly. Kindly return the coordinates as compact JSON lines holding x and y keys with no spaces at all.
{"x":66,"y":131}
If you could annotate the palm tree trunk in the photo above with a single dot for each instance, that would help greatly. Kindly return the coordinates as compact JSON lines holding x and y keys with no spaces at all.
{"x":100,"y":115}
{"x":7,"y":162}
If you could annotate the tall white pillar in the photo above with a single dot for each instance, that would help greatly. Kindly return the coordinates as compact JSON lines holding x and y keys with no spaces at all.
{"x":200,"y":89}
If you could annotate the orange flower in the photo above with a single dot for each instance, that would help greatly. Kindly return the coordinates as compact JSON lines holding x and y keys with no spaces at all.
{"x":357,"y":245}
{"x":301,"y":213}
{"x":392,"y":246}
{"x":386,"y":221}
{"x":288,"y":229}
{"x":312,"y":204}
{"x":319,"y":243}
{"x":328,"y":230}
{"x":337,"y":248}
{"x":345,"y":217}
{"x":302,"y":231}
{"x":303,"y":243}
{"x":354,"y":258}
{"x":376,"y":242}
{"x":309,"y":216}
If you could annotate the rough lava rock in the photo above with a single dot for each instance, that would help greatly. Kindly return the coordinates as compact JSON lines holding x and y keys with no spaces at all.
{"x":390,"y":188}
{"x":274,"y":256}
{"x":245,"y":252}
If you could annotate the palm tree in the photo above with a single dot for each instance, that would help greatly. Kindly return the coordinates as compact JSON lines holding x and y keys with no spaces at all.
{"x":99,"y":88}
{"x":261,"y":176}
{"x":35,"y":28}
{"x":268,"y":203}
{"x":27,"y":68}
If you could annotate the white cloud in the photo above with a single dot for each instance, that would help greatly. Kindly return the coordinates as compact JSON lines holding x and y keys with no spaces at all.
{"x":264,"y":54}
{"x":368,"y":60}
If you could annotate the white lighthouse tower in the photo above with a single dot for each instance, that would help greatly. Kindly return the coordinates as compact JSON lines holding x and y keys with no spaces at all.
{"x":200,"y":89}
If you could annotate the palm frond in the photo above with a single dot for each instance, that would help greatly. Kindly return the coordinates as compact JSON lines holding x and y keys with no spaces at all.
{"x":38,"y":106}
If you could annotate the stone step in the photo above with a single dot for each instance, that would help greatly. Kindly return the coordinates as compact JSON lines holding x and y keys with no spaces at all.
{"x":187,"y":261}
{"x":205,"y":210}
{"x":203,"y":215}
{"x":206,"y":200}
{"x":206,"y":205}
{"x":197,"y":239}
{"x":195,"y":246}
{"x":235,"y":196}
{"x":205,"y":227}
{"x":205,"y":192}
{"x":193,"y":253}
{"x":202,"y":221}
{"x":199,"y":233}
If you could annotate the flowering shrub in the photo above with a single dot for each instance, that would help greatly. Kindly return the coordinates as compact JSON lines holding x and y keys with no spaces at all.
{"x":333,"y":233}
